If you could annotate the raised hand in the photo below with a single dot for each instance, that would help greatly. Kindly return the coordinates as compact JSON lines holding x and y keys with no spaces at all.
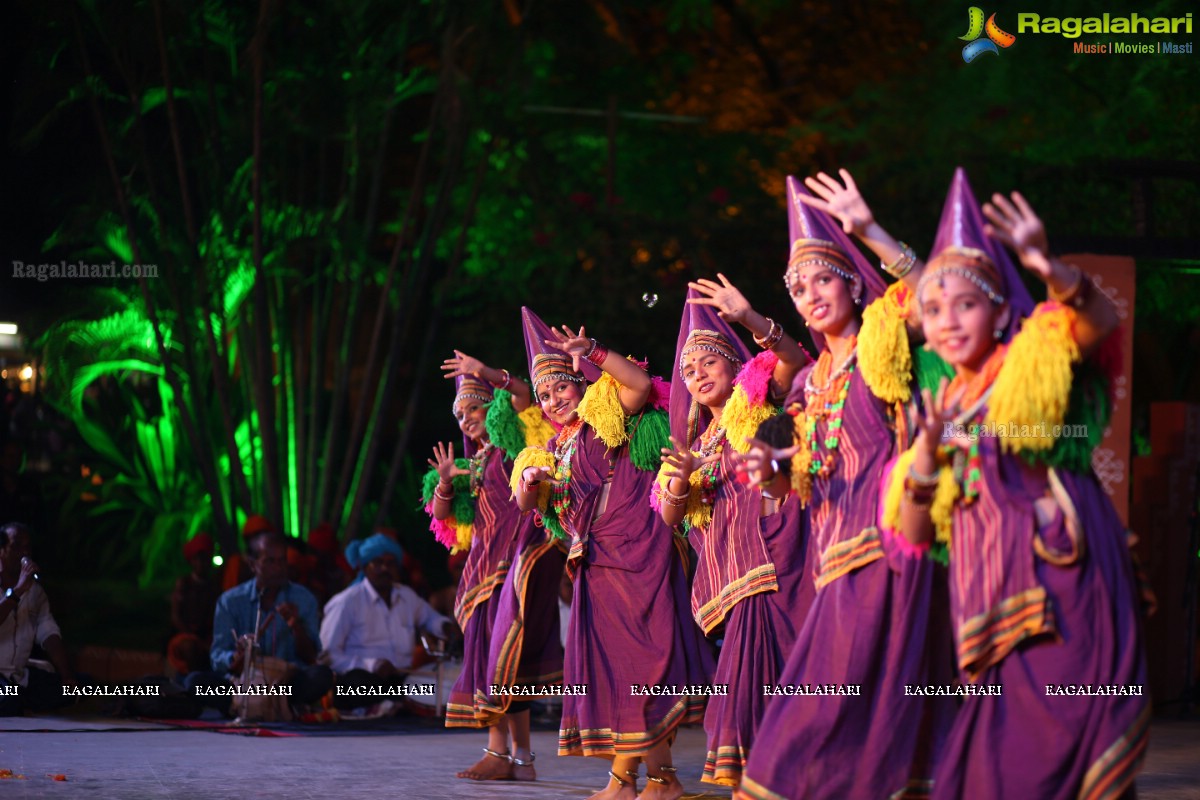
{"x":936,"y":425}
{"x":730,"y":304}
{"x":683,"y":462}
{"x":756,"y":462}
{"x":576,"y":345}
{"x":1015,"y":225}
{"x":443,"y":462}
{"x":842,"y":202}
{"x":463,"y":364}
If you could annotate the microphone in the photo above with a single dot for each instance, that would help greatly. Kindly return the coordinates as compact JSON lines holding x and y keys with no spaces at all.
{"x":24,"y":561}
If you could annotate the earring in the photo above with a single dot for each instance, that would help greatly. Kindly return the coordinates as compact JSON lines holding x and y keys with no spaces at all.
{"x":998,"y":333}
{"x":858,"y":299}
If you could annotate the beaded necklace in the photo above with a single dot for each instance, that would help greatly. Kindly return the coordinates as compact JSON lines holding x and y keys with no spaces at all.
{"x":564,"y":452}
{"x":711,"y":441}
{"x":974,"y":395}
{"x":477,"y":466}
{"x":827,"y":400}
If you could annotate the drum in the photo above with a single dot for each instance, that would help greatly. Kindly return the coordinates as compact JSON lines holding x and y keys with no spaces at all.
{"x":264,"y":671}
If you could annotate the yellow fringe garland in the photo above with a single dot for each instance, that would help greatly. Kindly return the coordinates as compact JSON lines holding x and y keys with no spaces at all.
{"x":537,"y":430}
{"x":944,"y":497}
{"x":884,"y":357}
{"x":465,"y":535}
{"x":601,"y":408}
{"x":698,"y":514}
{"x":802,"y":462}
{"x":1030,"y":394}
{"x":533,"y":457}
{"x":741,"y":418}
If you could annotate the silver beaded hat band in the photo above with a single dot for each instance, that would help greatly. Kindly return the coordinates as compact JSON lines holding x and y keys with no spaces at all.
{"x":969,"y":263}
{"x":712,"y":342}
{"x":470,"y":387}
{"x":553,"y":367}
{"x":819,"y":252}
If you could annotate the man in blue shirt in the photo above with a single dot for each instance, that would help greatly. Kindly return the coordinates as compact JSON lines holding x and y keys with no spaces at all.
{"x":287,"y":618}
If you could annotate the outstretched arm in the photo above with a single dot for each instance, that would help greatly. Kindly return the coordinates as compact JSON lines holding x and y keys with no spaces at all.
{"x":844,"y":202}
{"x":732,"y":306}
{"x":463,"y":364}
{"x":633,"y":380}
{"x":1015,"y":224}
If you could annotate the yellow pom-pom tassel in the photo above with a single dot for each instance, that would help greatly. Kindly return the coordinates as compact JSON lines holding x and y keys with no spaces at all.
{"x":1029,"y":397}
{"x":699,"y":513}
{"x":741,"y":418}
{"x":895,"y":489}
{"x":465,"y":534}
{"x":537,"y":430}
{"x":533,"y":457}
{"x":601,"y":408}
{"x":944,"y":496}
{"x":802,"y":462}
{"x":884,"y":357}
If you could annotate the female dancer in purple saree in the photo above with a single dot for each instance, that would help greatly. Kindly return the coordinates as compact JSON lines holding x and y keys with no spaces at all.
{"x":629,"y":626}
{"x":472,"y":509}
{"x":845,"y":727}
{"x":1044,"y":597}
{"x":750,"y":543}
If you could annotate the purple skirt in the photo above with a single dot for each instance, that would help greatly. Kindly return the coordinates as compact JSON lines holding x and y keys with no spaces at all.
{"x":630,"y":627}
{"x":1034,"y":740}
{"x":759,"y":634}
{"x":880,"y":628}
{"x":460,"y":709}
{"x":526,"y":649}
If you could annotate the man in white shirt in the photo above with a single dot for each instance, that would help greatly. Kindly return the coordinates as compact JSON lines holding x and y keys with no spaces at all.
{"x":25,"y":620}
{"x":370,"y":630}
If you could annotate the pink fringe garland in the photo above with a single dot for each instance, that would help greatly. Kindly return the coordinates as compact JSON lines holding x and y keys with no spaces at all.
{"x":443,"y":531}
{"x":660,"y":394}
{"x":755,"y":377}
{"x":655,"y":498}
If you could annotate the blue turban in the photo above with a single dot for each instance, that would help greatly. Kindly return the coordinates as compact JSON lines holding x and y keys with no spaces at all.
{"x":361,"y":551}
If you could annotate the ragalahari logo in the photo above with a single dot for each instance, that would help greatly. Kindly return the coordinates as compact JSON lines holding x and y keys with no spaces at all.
{"x":996,"y":38}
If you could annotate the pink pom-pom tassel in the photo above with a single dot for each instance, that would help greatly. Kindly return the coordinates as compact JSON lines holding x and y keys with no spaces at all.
{"x":444,"y":532}
{"x":660,"y":393}
{"x":755,"y":377}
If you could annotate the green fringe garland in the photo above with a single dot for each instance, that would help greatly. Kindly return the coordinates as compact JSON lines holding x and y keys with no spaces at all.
{"x":940,"y":553}
{"x":930,"y":369}
{"x":503,"y":425}
{"x":1088,"y":405}
{"x":648,"y":432}
{"x":463,"y":507}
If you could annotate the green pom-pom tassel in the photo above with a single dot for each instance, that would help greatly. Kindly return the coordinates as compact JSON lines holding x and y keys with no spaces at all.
{"x":940,"y":553}
{"x":503,"y":425}
{"x":463,"y":507}
{"x":930,"y":368}
{"x":649,"y":433}
{"x":554,"y":526}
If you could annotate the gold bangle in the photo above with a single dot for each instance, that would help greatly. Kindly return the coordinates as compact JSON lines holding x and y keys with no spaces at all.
{"x":1075,"y":296}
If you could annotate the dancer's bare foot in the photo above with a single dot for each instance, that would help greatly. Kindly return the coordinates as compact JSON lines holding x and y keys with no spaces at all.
{"x":492,"y":767}
{"x":671,"y":790}
{"x":618,"y":788}
{"x":522,"y":768}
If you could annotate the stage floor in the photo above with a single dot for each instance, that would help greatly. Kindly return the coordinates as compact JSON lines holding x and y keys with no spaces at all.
{"x":132,"y":760}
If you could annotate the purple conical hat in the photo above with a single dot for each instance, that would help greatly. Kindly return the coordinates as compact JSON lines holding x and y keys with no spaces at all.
{"x":961,"y":226}
{"x":543,"y":359}
{"x":809,"y":228}
{"x":468,"y":386}
{"x":688,"y":418}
